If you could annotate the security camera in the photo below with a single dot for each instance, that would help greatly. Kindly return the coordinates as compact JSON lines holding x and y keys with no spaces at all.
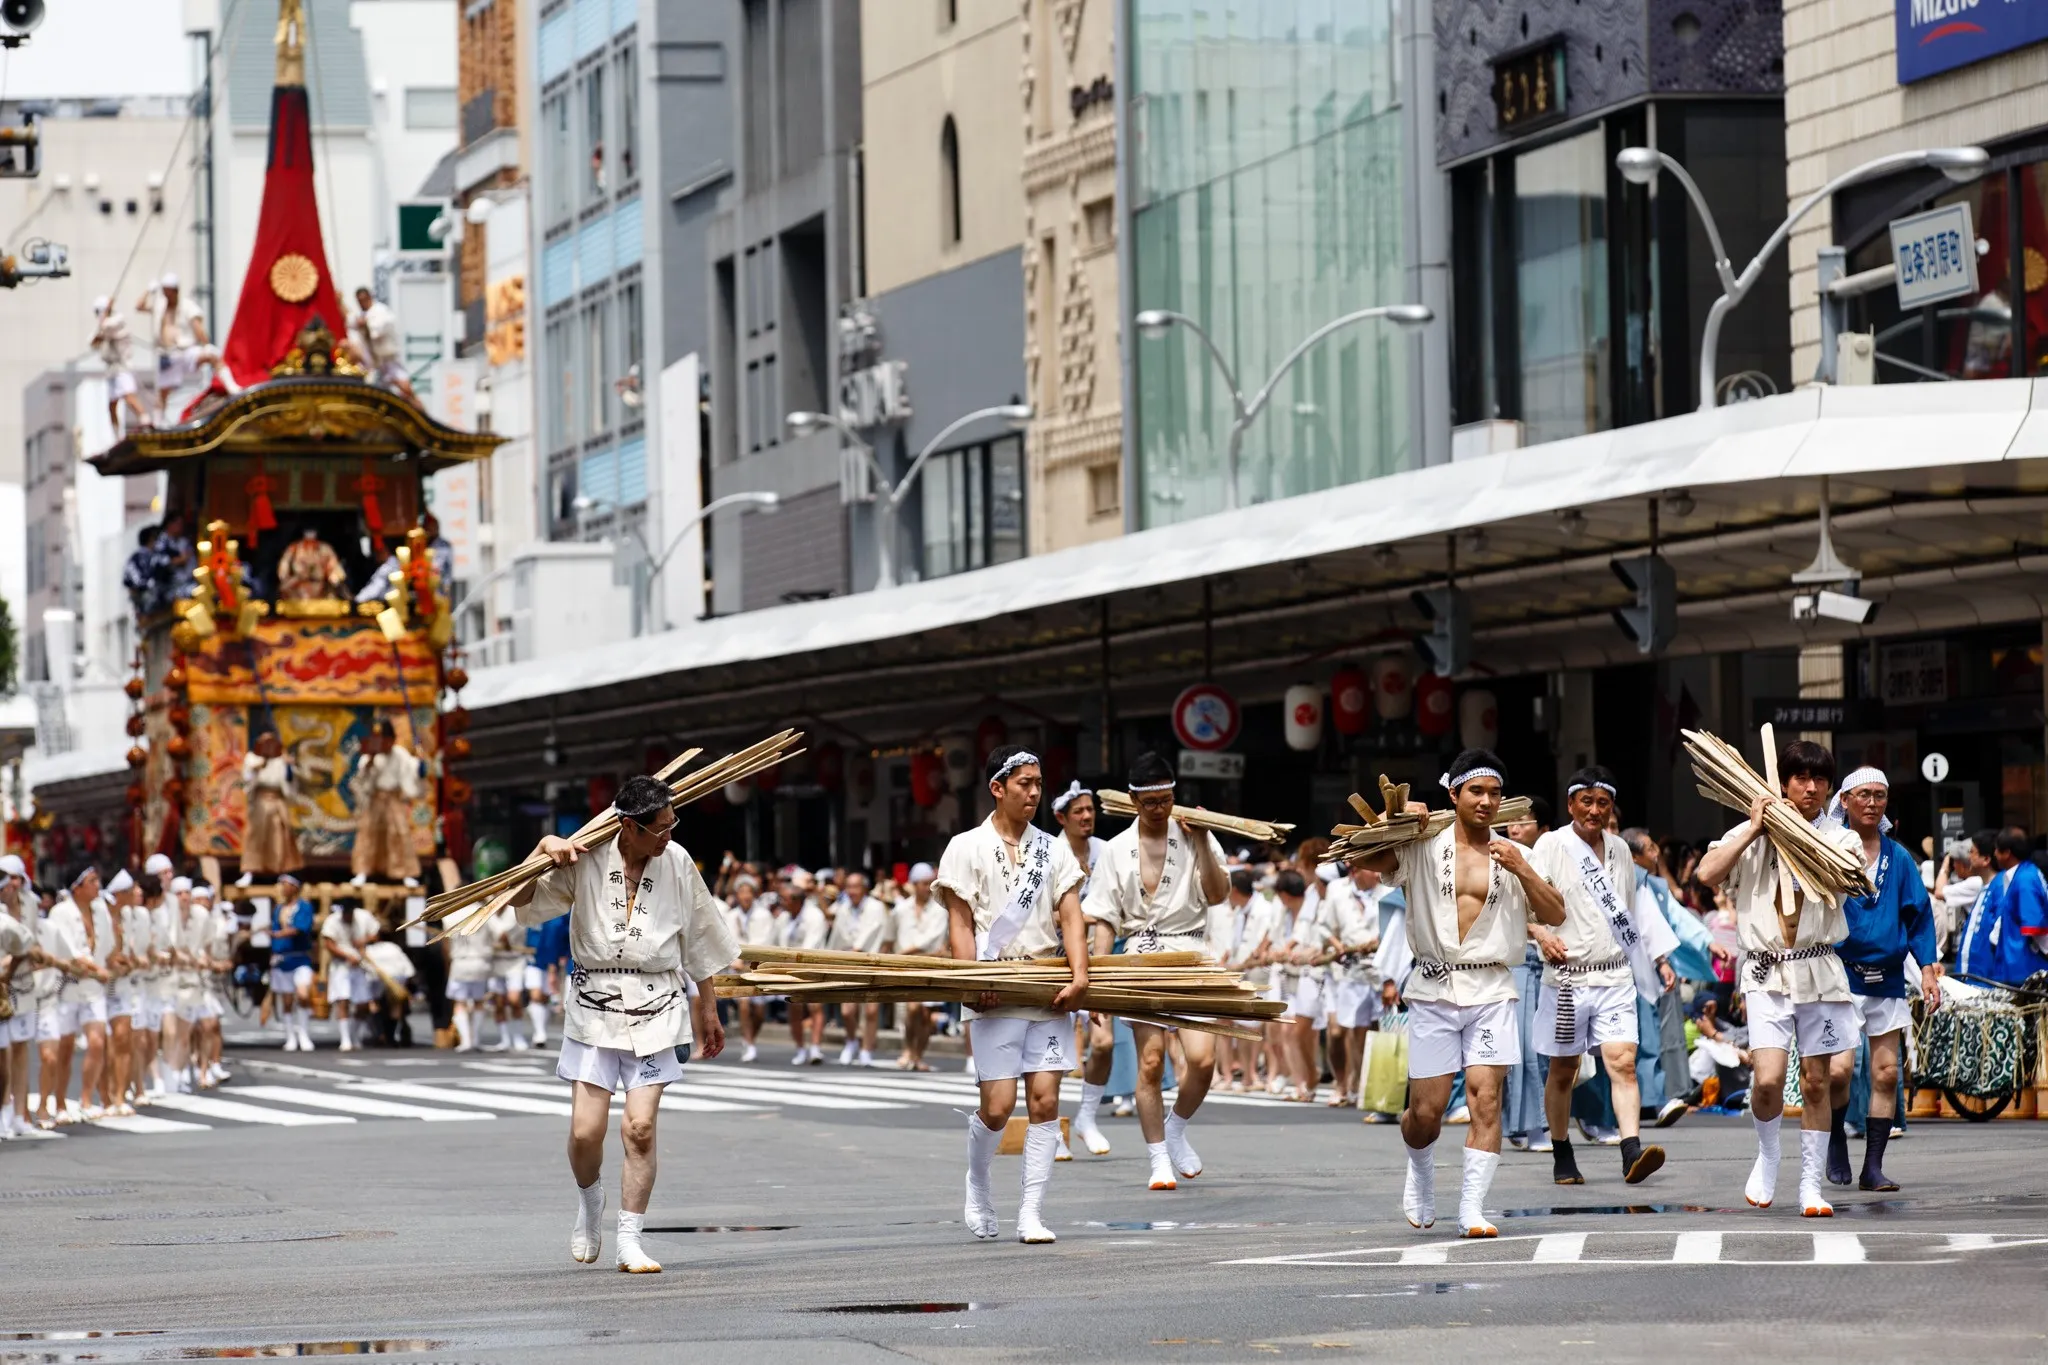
{"x":1835,"y":606}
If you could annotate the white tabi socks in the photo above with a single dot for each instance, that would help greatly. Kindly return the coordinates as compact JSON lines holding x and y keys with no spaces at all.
{"x":1813,"y":1173}
{"x":587,"y":1241}
{"x":630,"y":1256}
{"x":465,"y":1031}
{"x":341,"y":1028}
{"x":303,"y":1015}
{"x":1162,"y":1167}
{"x":537,"y":1015}
{"x":1185,"y":1162}
{"x":1418,"y":1195}
{"x":982,"y":1141}
{"x":1763,"y":1177}
{"x":1040,"y":1142}
{"x":1479,"y":1169}
{"x":515,"y":1029}
{"x":1084,"y":1122}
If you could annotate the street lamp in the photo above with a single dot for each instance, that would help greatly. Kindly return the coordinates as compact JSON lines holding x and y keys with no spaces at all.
{"x":1640,"y":165}
{"x":759,"y":501}
{"x":889,"y":501}
{"x":1155,"y":322}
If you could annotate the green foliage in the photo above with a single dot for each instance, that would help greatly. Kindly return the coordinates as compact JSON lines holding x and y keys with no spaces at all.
{"x":10,"y":649}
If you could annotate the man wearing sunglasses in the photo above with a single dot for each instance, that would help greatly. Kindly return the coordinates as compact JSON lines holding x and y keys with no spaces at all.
{"x":646,"y":934}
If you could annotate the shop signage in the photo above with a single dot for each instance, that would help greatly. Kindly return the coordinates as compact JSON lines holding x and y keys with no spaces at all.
{"x":1936,"y":253}
{"x":1528,"y":86}
{"x":1934,"y":767}
{"x":1940,"y":35}
{"x":1816,"y":713}
{"x":1912,"y":673}
{"x":1205,"y":717}
{"x":1220,"y":767}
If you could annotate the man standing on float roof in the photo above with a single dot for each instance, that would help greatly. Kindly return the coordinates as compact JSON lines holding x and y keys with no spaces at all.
{"x":1594,"y":968}
{"x":1153,"y":888}
{"x":1012,"y":891}
{"x":1471,"y":896}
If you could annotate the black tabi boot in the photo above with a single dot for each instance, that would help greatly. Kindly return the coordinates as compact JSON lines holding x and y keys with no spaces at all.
{"x":1875,"y":1136}
{"x":1563,"y":1169}
{"x":1639,"y":1163}
{"x":1838,"y":1149}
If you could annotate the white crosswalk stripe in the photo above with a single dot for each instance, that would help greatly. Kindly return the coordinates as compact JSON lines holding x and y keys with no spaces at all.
{"x":150,"y":1123}
{"x":670,"y":1100}
{"x":1747,"y":1246}
{"x":451,"y":1095}
{"x":347,"y":1103}
{"x":213,"y":1107}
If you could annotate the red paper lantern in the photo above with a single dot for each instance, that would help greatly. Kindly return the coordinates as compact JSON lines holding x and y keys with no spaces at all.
{"x":989,"y":736}
{"x":459,"y":748}
{"x":456,"y":791}
{"x":136,"y":725}
{"x":927,"y":779}
{"x":830,"y":762}
{"x":134,"y":688}
{"x":175,"y":677}
{"x":457,"y":678}
{"x":456,"y":722}
{"x":181,"y":720}
{"x":599,"y":792}
{"x":1350,"y":701}
{"x":134,"y":793}
{"x":178,"y":747}
{"x":1434,"y":712}
{"x":137,"y":756}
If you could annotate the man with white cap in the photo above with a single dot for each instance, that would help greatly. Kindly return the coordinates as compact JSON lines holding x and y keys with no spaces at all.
{"x":79,"y":934}
{"x":1153,"y":888}
{"x":290,"y":925}
{"x":116,"y":350}
{"x":178,"y":330}
{"x":128,"y":961}
{"x":1885,"y":931}
{"x":20,"y":954}
{"x":921,"y":929}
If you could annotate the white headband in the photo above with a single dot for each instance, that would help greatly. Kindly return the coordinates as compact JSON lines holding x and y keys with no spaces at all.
{"x":1865,"y":776}
{"x":122,"y":882}
{"x":1166,"y":786}
{"x":1453,"y":783}
{"x":1067,"y":797}
{"x":1012,"y":763}
{"x":1577,"y":787}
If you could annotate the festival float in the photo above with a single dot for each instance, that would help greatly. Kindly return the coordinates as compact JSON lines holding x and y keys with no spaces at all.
{"x":295,"y":702}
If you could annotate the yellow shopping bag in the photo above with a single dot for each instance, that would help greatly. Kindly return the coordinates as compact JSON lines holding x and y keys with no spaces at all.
{"x":1386,"y":1071}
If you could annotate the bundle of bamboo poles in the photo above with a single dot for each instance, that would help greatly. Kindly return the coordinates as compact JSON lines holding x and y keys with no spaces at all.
{"x":1258,"y":831}
{"x":1396,"y":825}
{"x":1184,"y":990}
{"x":464,"y":909}
{"x":1725,"y":776}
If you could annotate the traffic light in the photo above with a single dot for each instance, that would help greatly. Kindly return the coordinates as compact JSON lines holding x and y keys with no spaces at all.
{"x":1447,"y":648}
{"x":1653,"y":621}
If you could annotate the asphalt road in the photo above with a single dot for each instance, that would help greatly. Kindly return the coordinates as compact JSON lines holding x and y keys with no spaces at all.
{"x":417,"y":1205}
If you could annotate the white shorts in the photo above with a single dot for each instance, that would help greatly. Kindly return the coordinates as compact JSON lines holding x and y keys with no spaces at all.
{"x":507,"y":984}
{"x":124,"y":999}
{"x":1006,"y":1048}
{"x":1358,"y":1004}
{"x":469,"y":990}
{"x":1600,"y":1014}
{"x":1822,"y":1027}
{"x":21,"y":1028}
{"x":1445,"y":1038}
{"x":209,"y":1007}
{"x":68,"y":1017}
{"x":152,"y":1015}
{"x":614,"y":1068}
{"x":536,"y":980}
{"x":1312,"y":999}
{"x":350,"y":984}
{"x":120,"y":383}
{"x":1878,"y":1015}
{"x":296,"y":981}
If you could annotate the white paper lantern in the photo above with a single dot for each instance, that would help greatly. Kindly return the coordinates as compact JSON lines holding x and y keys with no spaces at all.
{"x":1302,"y":710}
{"x":740,"y":792}
{"x":1478,"y":719}
{"x":1393,"y":686}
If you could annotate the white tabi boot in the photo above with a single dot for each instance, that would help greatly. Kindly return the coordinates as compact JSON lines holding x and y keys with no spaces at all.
{"x":1763,"y":1177}
{"x":586,"y":1241}
{"x":465,"y":1032}
{"x":1418,"y":1194}
{"x":1813,"y":1174}
{"x":1479,"y":1169}
{"x":1084,"y":1122}
{"x":1162,"y":1167}
{"x":1040,"y":1141}
{"x":1062,"y":1152}
{"x":630,"y":1256}
{"x":982,"y":1141}
{"x":537,"y":1015}
{"x":1186,"y":1163}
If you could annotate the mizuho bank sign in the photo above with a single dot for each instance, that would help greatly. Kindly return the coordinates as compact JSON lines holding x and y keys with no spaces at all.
{"x":1940,"y":35}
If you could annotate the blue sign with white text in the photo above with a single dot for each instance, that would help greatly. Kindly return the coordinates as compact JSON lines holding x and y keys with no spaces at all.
{"x":1940,"y":35}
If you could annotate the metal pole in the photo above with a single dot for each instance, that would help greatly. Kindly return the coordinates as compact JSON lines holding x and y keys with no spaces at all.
{"x":1830,"y":263}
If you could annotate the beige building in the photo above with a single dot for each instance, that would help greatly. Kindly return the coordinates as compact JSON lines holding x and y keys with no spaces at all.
{"x":1071,"y":307}
{"x":1845,"y":104}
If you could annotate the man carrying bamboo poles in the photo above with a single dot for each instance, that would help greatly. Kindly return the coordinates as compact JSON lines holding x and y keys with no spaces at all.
{"x":1471,"y":896}
{"x":1594,"y":969}
{"x":1793,"y":984}
{"x":645,"y":933}
{"x":1012,"y":891}
{"x":1153,"y":887}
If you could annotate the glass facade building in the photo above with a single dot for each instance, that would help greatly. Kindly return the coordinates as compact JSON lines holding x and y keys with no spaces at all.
{"x":1266,"y":198}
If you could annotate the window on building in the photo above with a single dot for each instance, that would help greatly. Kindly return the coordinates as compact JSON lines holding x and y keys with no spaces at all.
{"x":558,"y":398}
{"x":1098,"y":219}
{"x":591,"y":86}
{"x":1560,"y":227}
{"x":1048,"y":325}
{"x":632,"y":342}
{"x":430,"y":108}
{"x":972,"y":501}
{"x":627,"y":75}
{"x":600,"y":369}
{"x":38,"y":554}
{"x":949,"y":183}
{"x":559,"y":201}
{"x":1105,"y":491}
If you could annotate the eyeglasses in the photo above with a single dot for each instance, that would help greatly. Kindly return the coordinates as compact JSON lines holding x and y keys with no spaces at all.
{"x":1872,"y":795}
{"x":663,"y":833}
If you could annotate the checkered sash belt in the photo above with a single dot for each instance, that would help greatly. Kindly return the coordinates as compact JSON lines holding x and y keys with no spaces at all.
{"x":1760,"y":964}
{"x":1436,"y":969}
{"x":1567,"y":1004}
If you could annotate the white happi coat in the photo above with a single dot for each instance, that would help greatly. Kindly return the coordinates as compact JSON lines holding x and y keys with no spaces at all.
{"x":1426,"y":872}
{"x":1175,"y":917}
{"x":863,"y":928}
{"x":977,"y":868}
{"x":64,"y":936}
{"x":1587,"y":935}
{"x":1753,"y":885}
{"x":628,"y":992}
{"x":922,"y":929}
